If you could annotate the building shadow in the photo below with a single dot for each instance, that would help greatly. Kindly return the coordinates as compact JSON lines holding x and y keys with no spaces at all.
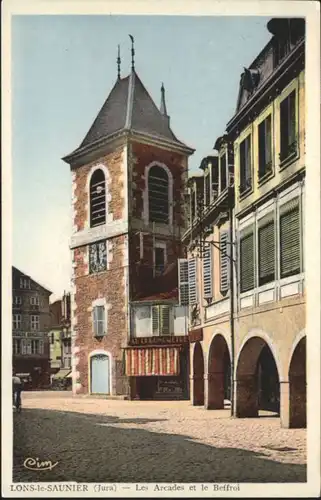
{"x":89,"y":448}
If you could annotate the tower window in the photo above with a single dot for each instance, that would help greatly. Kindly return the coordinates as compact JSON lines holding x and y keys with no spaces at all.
{"x":158,"y":199}
{"x":97,"y":199}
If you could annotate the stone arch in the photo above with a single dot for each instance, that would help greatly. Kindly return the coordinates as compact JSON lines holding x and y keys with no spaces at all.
{"x":198,"y":375}
{"x":267,"y":339}
{"x":219,"y":372}
{"x":257,"y":378}
{"x":297,"y":385}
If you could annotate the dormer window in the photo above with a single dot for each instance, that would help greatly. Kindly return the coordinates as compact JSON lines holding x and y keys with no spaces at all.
{"x":207,"y":188}
{"x":25,"y":283}
{"x":97,"y":198}
{"x":158,"y":195}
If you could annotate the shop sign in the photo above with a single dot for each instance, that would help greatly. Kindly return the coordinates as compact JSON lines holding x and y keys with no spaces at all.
{"x":161,"y":340}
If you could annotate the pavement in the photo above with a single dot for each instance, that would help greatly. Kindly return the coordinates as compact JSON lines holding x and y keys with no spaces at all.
{"x":99,"y":440}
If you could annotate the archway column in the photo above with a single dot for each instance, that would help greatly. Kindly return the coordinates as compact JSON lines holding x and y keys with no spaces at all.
{"x":214,"y":390}
{"x":197,"y":392}
{"x":246,"y":397}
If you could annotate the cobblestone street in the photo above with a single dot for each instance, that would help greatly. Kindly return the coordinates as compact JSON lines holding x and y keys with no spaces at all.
{"x":98,"y":440}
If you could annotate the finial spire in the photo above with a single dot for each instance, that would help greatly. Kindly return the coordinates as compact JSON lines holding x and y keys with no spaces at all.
{"x":163,"y":109}
{"x":118,"y":63}
{"x":133,"y":52}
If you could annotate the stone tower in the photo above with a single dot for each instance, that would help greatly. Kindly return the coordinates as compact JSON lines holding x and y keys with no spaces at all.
{"x":128,"y":181}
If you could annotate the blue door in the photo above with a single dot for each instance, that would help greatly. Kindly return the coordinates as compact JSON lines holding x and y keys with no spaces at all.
{"x":100,"y":383}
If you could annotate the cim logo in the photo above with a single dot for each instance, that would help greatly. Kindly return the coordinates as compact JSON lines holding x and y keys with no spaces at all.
{"x":36,"y":464}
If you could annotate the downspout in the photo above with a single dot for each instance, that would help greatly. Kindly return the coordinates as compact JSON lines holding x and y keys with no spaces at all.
{"x":232,"y":301}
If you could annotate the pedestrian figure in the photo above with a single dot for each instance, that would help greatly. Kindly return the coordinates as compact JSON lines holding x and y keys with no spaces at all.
{"x":16,"y":391}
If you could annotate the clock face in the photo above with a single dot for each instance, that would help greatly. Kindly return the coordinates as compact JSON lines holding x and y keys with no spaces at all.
{"x":97,"y":257}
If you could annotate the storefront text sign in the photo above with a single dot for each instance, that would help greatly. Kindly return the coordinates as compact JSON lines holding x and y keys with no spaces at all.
{"x":142,"y":341}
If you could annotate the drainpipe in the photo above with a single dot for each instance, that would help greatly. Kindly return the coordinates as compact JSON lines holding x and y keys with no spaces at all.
{"x":232,"y":303}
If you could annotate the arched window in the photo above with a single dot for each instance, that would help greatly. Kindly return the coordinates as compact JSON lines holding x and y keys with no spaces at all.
{"x":97,"y":198}
{"x":158,"y":199}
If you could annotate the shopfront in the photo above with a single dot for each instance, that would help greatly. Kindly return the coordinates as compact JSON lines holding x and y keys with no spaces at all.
{"x":158,"y":368}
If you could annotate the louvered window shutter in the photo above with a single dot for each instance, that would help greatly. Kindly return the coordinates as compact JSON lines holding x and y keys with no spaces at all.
{"x":224,"y":261}
{"x":165,"y":320}
{"x":23,"y":346}
{"x":41,"y":346}
{"x":95,"y":321}
{"x":183,"y":281}
{"x":290,"y":239}
{"x":247,"y":260}
{"x":266,"y":241}
{"x":207,"y":271}
{"x":155,"y":320}
{"x":192,"y":281}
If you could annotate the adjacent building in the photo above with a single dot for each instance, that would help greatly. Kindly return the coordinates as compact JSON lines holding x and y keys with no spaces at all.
{"x":30,"y":326}
{"x":60,"y":339}
{"x":257,"y":332}
{"x":129,"y":333}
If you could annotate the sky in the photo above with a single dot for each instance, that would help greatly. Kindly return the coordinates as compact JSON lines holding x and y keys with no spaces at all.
{"x":63,"y":68}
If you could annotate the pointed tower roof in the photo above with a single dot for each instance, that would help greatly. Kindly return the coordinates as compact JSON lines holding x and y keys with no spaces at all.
{"x":129,"y":107}
{"x":163,"y":109}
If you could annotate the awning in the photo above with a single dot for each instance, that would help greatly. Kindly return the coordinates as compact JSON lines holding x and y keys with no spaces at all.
{"x":152,"y":361}
{"x":62,"y":373}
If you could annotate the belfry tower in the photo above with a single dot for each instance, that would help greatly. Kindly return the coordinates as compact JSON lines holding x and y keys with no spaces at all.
{"x":128,"y":181}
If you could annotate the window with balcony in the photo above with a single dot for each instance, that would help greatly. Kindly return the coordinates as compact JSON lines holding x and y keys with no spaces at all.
{"x":97,"y":198}
{"x":265,"y":148}
{"x":266,"y":250}
{"x":288,"y":140}
{"x":223,"y":172}
{"x":99,"y":321}
{"x":245,"y":166}
{"x":16,"y":321}
{"x":290,"y":254}
{"x":247,"y":261}
{"x":35,"y":322}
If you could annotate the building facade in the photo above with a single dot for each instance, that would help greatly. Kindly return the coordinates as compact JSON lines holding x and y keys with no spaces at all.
{"x":128,"y":181}
{"x":30,"y":326}
{"x":60,"y":339}
{"x":265,"y":337}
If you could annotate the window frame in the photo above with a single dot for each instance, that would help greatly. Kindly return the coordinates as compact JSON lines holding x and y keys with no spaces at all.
{"x":146,"y":195}
{"x":159,"y":245}
{"x":246,"y":183}
{"x":94,"y":173}
{"x":292,"y":149}
{"x":16,"y":321}
{"x":34,"y":322}
{"x":265,"y":173}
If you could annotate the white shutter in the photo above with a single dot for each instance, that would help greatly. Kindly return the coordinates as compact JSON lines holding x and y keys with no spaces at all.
{"x":224,"y":259}
{"x":207,"y":271}
{"x":155,"y":320}
{"x":192,"y":281}
{"x":183,"y":281}
{"x":41,"y":346}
